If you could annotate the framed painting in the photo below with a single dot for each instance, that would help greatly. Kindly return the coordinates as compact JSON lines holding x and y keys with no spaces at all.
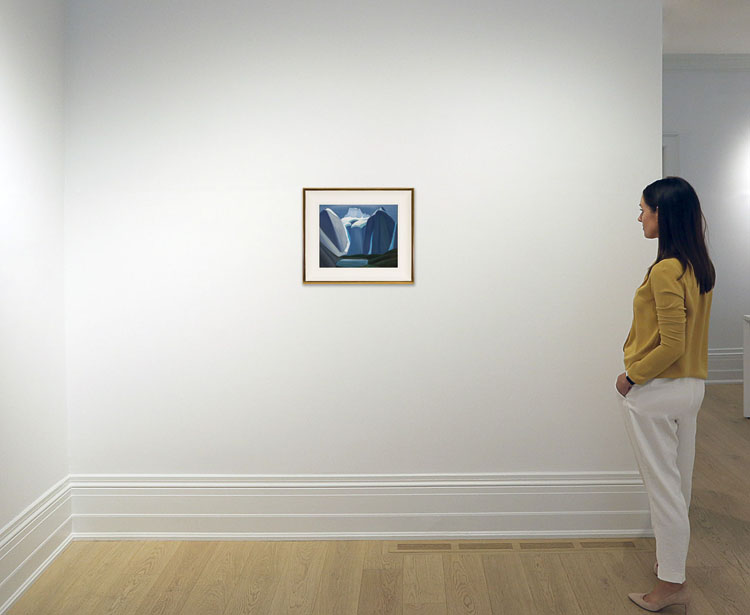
{"x":358,"y":235}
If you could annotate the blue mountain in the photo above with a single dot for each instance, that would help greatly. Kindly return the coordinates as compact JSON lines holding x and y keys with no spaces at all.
{"x":379,"y":233}
{"x":334,"y":240}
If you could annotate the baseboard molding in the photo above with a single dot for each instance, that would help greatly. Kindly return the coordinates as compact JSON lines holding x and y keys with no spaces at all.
{"x":706,"y":61}
{"x":33,"y":540}
{"x":725,"y":365}
{"x":330,"y":507}
{"x":359,"y":507}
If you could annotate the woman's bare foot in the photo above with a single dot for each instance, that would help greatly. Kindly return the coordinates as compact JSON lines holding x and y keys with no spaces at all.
{"x":662,"y":591}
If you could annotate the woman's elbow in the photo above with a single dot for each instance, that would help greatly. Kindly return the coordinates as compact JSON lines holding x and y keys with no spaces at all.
{"x":675,"y":347}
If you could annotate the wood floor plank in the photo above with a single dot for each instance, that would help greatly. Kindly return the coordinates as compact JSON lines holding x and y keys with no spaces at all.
{"x":437,"y":608}
{"x":219,"y":579}
{"x":626,"y":572}
{"x":260,"y":578}
{"x":100,"y":580}
{"x":424,"y":584}
{"x":465,"y":584}
{"x":722,"y":544}
{"x":171,"y":589}
{"x":379,"y":557}
{"x":699,"y":601}
{"x":300,"y":579}
{"x":56,"y":580}
{"x":728,"y":396}
{"x":729,"y":503}
{"x":714,"y":467}
{"x":633,"y":568}
{"x":382,"y":585}
{"x":381,"y":592}
{"x":338,"y":593}
{"x":725,"y":589}
{"x":549,"y":584}
{"x":507,"y":584}
{"x":592,"y":587}
{"x":714,"y":472}
{"x":138,"y":576}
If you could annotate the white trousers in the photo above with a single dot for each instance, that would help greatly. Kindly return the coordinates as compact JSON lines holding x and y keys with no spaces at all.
{"x":660,"y":417}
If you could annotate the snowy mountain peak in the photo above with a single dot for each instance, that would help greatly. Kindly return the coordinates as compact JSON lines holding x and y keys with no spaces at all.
{"x":355,"y":212}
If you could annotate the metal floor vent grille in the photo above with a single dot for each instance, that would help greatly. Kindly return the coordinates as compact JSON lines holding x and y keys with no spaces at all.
{"x":520,"y":546}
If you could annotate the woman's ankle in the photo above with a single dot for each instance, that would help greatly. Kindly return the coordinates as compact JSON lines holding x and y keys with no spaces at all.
{"x":668,"y":585}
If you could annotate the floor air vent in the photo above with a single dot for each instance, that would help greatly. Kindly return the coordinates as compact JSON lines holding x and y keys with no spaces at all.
{"x":520,"y":546}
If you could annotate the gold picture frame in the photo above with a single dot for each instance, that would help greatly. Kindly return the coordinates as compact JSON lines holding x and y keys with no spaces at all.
{"x":358,"y":235}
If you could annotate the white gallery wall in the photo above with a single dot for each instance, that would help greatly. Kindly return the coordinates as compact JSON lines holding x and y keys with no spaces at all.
{"x":33,"y":424}
{"x":35,"y":508}
{"x":528,"y":130}
{"x":706,"y":112}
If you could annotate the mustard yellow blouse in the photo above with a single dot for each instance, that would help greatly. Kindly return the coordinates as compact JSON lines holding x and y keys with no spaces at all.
{"x":669,"y":334}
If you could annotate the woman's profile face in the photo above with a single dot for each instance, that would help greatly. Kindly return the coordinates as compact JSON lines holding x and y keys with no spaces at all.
{"x":649,"y":218}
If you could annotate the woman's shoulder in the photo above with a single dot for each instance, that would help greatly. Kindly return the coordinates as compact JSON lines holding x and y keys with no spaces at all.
{"x":669,"y":267}
{"x":667,"y":271}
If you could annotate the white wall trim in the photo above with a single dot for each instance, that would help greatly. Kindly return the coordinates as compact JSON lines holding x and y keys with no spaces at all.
{"x":706,"y":61}
{"x":33,"y":511}
{"x":316,"y":507}
{"x":31,"y":541}
{"x":725,"y":365}
{"x":504,"y":479}
{"x":377,"y":507}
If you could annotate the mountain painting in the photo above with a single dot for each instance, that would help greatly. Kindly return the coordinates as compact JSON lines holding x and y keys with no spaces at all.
{"x":358,"y":235}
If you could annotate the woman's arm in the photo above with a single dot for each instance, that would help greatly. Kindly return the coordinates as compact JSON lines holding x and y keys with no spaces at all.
{"x":669,"y":295}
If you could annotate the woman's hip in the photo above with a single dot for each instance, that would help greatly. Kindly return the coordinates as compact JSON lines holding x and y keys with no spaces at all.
{"x":666,"y":397}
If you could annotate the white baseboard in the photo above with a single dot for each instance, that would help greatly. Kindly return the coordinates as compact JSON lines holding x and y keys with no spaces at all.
{"x":33,"y":540}
{"x":706,"y":61}
{"x":725,"y":365}
{"x":358,"y":507}
{"x":330,"y":507}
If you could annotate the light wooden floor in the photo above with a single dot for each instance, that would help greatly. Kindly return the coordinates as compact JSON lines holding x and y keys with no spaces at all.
{"x":357,"y":578}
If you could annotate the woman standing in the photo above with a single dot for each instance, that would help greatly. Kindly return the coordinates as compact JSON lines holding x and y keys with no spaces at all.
{"x":666,"y":362}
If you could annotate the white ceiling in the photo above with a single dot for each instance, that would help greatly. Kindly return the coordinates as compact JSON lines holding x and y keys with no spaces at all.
{"x":707,"y":26}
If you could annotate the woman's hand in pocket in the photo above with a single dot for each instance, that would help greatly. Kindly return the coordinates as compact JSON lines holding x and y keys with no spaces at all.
{"x":622,"y":385}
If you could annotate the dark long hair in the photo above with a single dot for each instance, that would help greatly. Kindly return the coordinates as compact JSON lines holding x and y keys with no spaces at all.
{"x":682,"y":228}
